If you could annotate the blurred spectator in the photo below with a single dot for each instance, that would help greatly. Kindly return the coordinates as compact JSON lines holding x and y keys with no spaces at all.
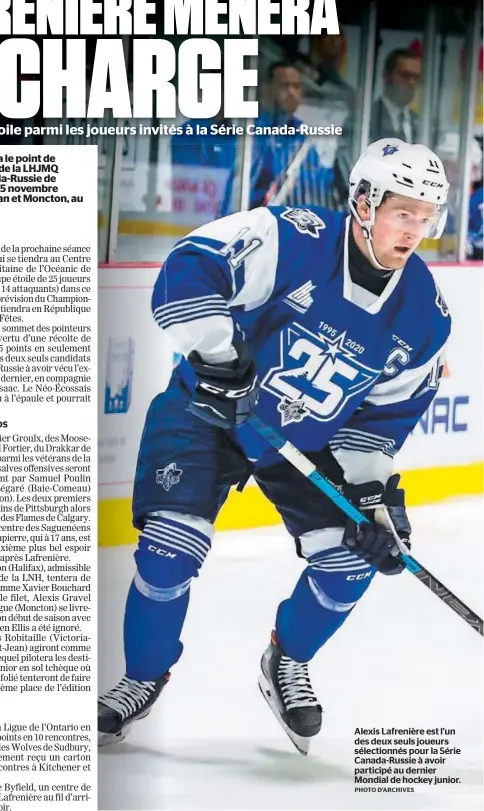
{"x":323,"y":64}
{"x":448,"y":151}
{"x":391,"y":114}
{"x":284,"y":92}
{"x":274,"y":154}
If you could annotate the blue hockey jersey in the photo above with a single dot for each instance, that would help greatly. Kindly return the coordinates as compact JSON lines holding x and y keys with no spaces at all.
{"x":338,"y":365}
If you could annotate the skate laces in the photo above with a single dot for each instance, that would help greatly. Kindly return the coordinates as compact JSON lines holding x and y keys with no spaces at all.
{"x":128,"y":696}
{"x":294,"y":684}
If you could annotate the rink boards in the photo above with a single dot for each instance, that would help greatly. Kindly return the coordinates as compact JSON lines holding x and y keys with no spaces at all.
{"x":442,"y":458}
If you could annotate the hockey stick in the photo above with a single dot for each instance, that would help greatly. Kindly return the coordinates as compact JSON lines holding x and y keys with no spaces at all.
{"x":306,"y":467}
{"x":276,"y":196}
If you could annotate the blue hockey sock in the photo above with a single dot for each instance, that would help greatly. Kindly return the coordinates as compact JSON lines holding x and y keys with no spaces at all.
{"x":323,"y":598}
{"x":169,"y":554}
{"x":152,"y":634}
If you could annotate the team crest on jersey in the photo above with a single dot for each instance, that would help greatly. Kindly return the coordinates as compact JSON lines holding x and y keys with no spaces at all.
{"x":316,"y":376}
{"x":389,"y":149}
{"x":306,"y":221}
{"x":301,"y":299}
{"x":168,"y":476}
{"x":292,"y":410}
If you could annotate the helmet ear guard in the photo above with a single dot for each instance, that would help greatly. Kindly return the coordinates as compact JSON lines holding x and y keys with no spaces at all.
{"x":364,"y":188}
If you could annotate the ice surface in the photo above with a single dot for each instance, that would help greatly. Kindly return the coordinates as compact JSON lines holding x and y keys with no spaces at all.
{"x":402,"y":659}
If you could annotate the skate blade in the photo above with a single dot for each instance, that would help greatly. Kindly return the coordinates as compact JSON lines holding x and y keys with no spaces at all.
{"x":106,"y":739}
{"x":301,"y":744}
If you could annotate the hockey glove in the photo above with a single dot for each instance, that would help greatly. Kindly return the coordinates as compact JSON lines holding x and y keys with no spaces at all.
{"x":225,"y":394}
{"x":374,"y":542}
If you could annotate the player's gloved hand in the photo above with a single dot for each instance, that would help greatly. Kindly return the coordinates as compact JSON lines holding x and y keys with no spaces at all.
{"x":374,"y":541}
{"x":226,"y":393}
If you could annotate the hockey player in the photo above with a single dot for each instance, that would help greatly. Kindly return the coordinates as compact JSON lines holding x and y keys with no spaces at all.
{"x":331,"y":329}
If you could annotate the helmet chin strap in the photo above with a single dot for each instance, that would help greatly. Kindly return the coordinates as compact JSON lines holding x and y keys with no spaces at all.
{"x":366,"y":226}
{"x":369,"y":244}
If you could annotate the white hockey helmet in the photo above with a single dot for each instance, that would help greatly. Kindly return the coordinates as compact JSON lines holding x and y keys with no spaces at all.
{"x":392,"y":165}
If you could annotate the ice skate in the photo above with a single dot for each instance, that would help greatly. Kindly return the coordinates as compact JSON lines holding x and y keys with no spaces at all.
{"x":129,"y":701}
{"x":286,"y":687}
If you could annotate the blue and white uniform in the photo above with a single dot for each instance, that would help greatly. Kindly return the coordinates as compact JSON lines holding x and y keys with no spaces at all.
{"x":345,"y":375}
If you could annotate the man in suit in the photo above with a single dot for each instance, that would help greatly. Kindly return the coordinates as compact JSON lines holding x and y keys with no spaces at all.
{"x":391,"y":114}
